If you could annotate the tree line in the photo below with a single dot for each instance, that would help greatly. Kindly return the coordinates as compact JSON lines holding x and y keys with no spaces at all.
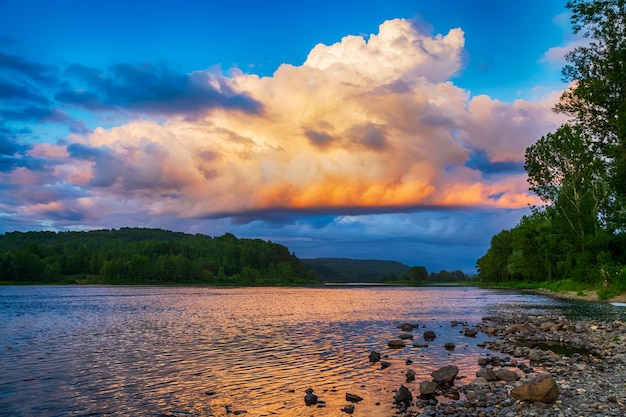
{"x":578,"y":171}
{"x":146,"y":256}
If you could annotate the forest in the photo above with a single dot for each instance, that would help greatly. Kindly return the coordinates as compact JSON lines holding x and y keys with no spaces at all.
{"x":576,"y":240}
{"x":146,"y":256}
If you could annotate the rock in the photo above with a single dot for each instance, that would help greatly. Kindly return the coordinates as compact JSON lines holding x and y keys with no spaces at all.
{"x":470,"y":332}
{"x":445,"y":375}
{"x":374,"y":356}
{"x":542,"y":388}
{"x":396,"y":344}
{"x":348,"y":409}
{"x":403,"y":396}
{"x":506,"y":375}
{"x":420,"y":344}
{"x":410,"y":375}
{"x":353,"y":398}
{"x":310,"y":398}
{"x":487,"y":373}
{"x":405,"y":336}
{"x":429,"y":335}
{"x":408,"y":361}
{"x":384,"y":364}
{"x":428,"y":388}
{"x":479,"y":382}
{"x":449,"y":346}
{"x":407,"y":327}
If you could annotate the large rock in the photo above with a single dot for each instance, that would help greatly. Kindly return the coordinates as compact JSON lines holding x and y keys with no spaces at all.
{"x":542,"y":388}
{"x":487,"y":373}
{"x":410,"y":375}
{"x":428,"y":388}
{"x":403,"y":396}
{"x":445,"y":375}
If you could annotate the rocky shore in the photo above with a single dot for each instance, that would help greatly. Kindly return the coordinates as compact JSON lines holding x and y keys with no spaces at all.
{"x":534,"y":365}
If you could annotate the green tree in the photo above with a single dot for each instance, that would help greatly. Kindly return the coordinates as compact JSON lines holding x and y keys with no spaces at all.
{"x":597,"y":70}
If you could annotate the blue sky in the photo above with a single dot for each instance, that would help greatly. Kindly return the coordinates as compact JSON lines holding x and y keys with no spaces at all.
{"x":371,"y":129}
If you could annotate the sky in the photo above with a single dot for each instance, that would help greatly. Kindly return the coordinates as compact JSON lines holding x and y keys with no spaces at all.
{"x":366,"y":129}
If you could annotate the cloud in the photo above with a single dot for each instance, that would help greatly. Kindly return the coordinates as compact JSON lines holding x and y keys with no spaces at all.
{"x":152,"y":89}
{"x":366,"y":126}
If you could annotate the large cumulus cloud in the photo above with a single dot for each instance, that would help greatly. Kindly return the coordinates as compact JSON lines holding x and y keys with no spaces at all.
{"x":366,"y":125}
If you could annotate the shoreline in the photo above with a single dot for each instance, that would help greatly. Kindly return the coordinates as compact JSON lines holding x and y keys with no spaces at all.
{"x":540,"y":365}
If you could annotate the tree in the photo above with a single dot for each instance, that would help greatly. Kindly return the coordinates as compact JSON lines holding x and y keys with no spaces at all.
{"x":597,"y":99}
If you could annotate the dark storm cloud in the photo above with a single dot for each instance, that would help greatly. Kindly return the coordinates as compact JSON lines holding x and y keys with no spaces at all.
{"x":154,"y":89}
{"x":479,"y":160}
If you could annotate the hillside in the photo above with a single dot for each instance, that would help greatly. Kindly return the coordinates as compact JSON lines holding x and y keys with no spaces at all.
{"x":145,"y":256}
{"x":353,"y":270}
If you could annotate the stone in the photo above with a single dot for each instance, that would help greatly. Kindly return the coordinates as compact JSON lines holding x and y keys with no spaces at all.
{"x":429,"y":335}
{"x":479,"y":382}
{"x":310,"y":398}
{"x":487,"y":373}
{"x":410,"y":375}
{"x":396,"y":344}
{"x":384,"y":364}
{"x":405,"y":336}
{"x":470,"y":332}
{"x":420,"y":344}
{"x":449,"y":346}
{"x":428,"y":388}
{"x":542,"y":388}
{"x":353,"y":398}
{"x":506,"y":375}
{"x":445,"y":375}
{"x":403,"y":396}
{"x":348,"y":409}
{"x":407,"y":327}
{"x":374,"y":356}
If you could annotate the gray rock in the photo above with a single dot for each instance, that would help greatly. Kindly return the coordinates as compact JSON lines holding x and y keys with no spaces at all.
{"x":445,"y":375}
{"x":348,"y":409}
{"x":506,"y":375}
{"x":405,"y":336}
{"x":403,"y":396}
{"x":487,"y":373}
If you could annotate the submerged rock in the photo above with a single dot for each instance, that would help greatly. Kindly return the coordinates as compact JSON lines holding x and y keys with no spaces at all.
{"x":396,"y":344}
{"x":429,"y":335}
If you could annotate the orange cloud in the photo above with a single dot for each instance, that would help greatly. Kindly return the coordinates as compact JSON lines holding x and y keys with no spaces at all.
{"x":362,"y":123}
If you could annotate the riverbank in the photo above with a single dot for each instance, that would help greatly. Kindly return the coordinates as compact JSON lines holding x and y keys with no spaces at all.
{"x":537,"y":365}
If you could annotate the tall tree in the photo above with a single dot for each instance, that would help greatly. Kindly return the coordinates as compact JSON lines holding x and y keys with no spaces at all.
{"x":597,"y":70}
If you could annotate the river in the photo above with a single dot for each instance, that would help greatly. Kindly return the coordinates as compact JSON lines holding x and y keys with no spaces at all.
{"x":180,"y":351}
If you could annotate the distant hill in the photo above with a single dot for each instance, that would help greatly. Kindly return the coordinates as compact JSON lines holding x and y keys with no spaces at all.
{"x":352,"y":270}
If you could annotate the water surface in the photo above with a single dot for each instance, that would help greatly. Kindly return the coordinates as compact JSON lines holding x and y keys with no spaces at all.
{"x":150,"y":351}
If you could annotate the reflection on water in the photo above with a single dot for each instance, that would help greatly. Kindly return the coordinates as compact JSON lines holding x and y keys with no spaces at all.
{"x":192,"y":351}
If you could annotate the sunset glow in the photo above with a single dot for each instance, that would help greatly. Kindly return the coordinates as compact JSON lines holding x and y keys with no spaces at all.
{"x":411,"y":122}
